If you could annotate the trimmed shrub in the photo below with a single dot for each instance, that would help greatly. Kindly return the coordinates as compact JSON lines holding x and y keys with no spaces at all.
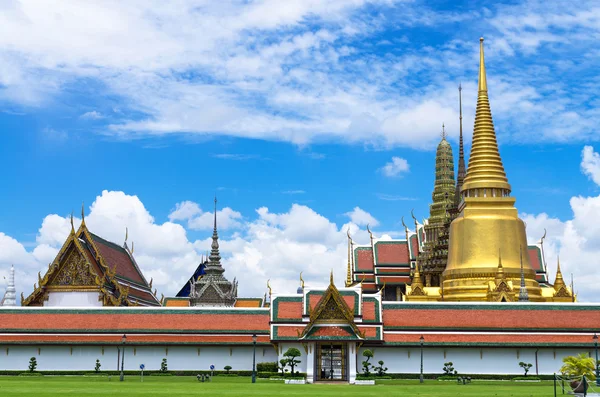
{"x":163,"y":365}
{"x":32,"y":364}
{"x":267,"y":367}
{"x":227,"y":368}
{"x":98,"y":365}
{"x":31,"y":374}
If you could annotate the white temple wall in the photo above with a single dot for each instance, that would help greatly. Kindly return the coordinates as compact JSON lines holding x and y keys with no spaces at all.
{"x":468,"y":360}
{"x":73,"y":299}
{"x":398,"y":359}
{"x":83,"y":358}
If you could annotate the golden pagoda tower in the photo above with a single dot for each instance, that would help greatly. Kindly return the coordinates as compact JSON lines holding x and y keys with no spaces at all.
{"x":488,"y":220}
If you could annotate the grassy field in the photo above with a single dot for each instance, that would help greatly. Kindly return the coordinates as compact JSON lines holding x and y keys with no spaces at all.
{"x":186,"y":386}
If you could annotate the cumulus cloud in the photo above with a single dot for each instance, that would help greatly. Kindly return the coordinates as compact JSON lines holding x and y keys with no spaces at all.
{"x":576,"y":241}
{"x":272,"y":245}
{"x":200,"y":220}
{"x":396,"y":167}
{"x":362,"y":217}
{"x":590,"y":164}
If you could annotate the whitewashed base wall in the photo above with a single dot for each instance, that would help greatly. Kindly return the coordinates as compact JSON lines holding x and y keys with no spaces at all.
{"x":470,"y":360}
{"x":397,"y":359}
{"x":83,"y":358}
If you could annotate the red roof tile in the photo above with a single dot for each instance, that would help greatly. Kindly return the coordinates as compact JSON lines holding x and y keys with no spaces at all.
{"x":364,"y":259}
{"x":482,"y":317}
{"x":117,"y":256}
{"x":392,"y":253}
{"x":135,"y":319}
{"x":289,"y":310}
{"x":132,"y":338}
{"x":368,"y":310}
{"x":488,"y":339}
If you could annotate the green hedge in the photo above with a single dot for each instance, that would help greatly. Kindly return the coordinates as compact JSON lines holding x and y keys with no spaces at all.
{"x":267,"y":367}
{"x":31,"y":374}
{"x":533,"y":378}
{"x":267,"y":375}
{"x":373,"y":377}
{"x":473,"y":376}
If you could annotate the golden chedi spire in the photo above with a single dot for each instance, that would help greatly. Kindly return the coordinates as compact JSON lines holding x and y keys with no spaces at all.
{"x":488,"y":220}
{"x":485,"y":170}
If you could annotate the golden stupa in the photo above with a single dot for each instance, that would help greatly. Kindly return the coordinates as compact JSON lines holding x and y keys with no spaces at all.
{"x":487,"y":247}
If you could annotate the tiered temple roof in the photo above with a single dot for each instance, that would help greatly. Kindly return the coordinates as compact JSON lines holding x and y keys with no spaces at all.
{"x":213,"y":289}
{"x":88,"y":263}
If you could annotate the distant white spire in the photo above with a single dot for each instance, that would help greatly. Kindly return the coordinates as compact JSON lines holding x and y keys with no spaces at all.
{"x":11,"y":293}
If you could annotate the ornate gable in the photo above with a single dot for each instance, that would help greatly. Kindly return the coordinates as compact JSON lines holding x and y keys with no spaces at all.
{"x":79,"y":265}
{"x":331,"y":309}
{"x":73,"y":271}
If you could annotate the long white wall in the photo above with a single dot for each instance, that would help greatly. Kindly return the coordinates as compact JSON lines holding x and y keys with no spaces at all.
{"x":83,"y":358}
{"x":469,"y":360}
{"x":397,"y":359}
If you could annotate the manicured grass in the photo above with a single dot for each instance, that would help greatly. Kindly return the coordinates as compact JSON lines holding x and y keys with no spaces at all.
{"x":241,"y":386}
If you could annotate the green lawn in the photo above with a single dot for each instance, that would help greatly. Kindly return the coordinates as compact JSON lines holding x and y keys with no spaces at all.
{"x":232,"y":386}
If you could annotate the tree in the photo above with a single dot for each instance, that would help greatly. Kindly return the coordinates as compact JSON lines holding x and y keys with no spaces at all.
{"x":227,"y":368}
{"x":381,"y":369}
{"x":32,"y":364}
{"x":525,"y":366}
{"x":366,"y":364}
{"x":291,"y":354}
{"x":449,"y":368}
{"x":163,"y":365}
{"x":283,"y":363}
{"x":98,"y":365}
{"x":581,"y":365}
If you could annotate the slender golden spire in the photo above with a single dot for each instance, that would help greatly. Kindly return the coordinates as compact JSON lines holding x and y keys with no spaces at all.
{"x":349,"y":271}
{"x":559,"y":282}
{"x":417,"y":281}
{"x":72,"y":224}
{"x":485,"y":170}
{"x":82,"y":213}
{"x":331,"y":277}
{"x":500,"y":271}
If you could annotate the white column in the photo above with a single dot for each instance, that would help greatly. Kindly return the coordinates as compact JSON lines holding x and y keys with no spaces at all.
{"x":310,"y":362}
{"x":352,"y":352}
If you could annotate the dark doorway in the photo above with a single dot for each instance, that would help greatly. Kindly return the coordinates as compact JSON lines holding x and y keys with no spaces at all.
{"x":332,"y":362}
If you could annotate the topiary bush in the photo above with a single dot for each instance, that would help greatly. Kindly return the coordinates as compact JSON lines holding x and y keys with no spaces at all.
{"x":227,"y":368}
{"x":98,"y":365}
{"x":163,"y":365}
{"x":32,"y":364}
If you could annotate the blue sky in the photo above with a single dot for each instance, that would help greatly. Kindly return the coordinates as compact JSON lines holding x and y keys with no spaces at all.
{"x":271,"y":104}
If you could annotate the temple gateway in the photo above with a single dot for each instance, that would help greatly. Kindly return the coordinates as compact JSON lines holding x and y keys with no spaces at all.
{"x":464,"y":286}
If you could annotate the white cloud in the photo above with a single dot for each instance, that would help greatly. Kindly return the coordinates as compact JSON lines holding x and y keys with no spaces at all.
{"x":299,"y":71}
{"x":184,"y":211}
{"x":576,"y":241}
{"x":274,"y":245}
{"x":362,"y":217}
{"x":200,"y":220}
{"x":93,"y":115}
{"x":226,"y":219}
{"x":590,"y":164}
{"x":396,"y":167}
